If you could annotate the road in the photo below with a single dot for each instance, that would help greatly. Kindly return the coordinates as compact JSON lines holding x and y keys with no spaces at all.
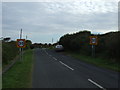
{"x":55,"y":70}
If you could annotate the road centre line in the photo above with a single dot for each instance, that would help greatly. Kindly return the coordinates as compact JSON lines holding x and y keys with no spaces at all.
{"x":66,"y":65}
{"x":50,"y":55}
{"x":60,"y":61}
{"x":96,"y":84}
{"x":46,"y":52}
{"x":54,"y":58}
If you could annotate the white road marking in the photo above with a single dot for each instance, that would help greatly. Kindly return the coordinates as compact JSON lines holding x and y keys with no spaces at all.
{"x":54,"y":58}
{"x":96,"y":84}
{"x":66,"y":65}
{"x":46,"y":52}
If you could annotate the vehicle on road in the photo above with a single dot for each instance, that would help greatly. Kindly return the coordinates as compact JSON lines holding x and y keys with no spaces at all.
{"x":59,"y":48}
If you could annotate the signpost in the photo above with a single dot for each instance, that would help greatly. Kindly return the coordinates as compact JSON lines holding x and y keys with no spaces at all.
{"x":21,"y":43}
{"x":93,"y":42}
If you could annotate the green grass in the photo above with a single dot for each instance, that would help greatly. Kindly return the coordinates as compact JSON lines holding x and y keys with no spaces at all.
{"x":51,"y":47}
{"x":100,"y":62}
{"x":20,"y":75}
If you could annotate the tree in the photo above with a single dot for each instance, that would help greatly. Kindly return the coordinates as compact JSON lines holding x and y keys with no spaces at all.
{"x":108,"y":44}
{"x":6,"y":39}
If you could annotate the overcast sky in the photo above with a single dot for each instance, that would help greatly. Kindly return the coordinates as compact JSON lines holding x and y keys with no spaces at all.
{"x":42,"y":21}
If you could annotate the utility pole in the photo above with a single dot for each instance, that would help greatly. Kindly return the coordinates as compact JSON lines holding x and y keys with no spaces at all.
{"x":26,"y":37}
{"x":21,"y":34}
{"x":52,"y":40}
{"x":21,"y":50}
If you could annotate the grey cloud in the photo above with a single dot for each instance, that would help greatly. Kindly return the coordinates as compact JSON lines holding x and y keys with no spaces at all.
{"x":51,"y":19}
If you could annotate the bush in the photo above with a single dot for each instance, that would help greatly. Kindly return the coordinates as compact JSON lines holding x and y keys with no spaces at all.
{"x":108,"y":44}
{"x":9,"y":51}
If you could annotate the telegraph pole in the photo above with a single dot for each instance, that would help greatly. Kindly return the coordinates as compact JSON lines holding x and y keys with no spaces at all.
{"x":52,"y":40}
{"x":21,"y":48}
{"x":21,"y":34}
{"x":26,"y":37}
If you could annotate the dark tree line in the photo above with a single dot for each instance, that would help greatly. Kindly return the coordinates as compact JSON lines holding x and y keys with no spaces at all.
{"x":108,"y":44}
{"x":41,"y":45}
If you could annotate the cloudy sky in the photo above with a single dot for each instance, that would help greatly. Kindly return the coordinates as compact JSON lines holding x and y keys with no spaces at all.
{"x":42,"y":21}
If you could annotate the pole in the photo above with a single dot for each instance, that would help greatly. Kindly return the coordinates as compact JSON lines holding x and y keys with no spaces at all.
{"x":93,"y":50}
{"x":21,"y":34}
{"x":52,"y":40}
{"x":21,"y":48}
{"x":26,"y":37}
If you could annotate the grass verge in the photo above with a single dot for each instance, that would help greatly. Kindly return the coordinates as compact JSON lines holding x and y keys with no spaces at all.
{"x":19,"y":76}
{"x":97,"y":61}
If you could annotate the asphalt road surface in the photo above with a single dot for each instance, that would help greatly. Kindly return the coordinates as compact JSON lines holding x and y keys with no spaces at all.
{"x":55,"y":70}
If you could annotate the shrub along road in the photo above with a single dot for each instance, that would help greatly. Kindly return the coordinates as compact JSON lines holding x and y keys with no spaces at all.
{"x":54,"y":70}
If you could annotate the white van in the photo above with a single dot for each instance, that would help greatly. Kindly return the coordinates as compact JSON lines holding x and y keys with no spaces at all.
{"x":59,"y":48}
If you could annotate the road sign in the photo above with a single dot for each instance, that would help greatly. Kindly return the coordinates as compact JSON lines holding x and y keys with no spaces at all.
{"x":21,"y":43}
{"x":93,"y":40}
